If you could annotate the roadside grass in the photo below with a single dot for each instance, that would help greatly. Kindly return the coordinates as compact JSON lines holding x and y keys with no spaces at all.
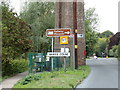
{"x":57,"y":79}
{"x":6,"y":77}
{"x":13,"y":68}
{"x":0,"y":76}
{"x":0,"y":79}
{"x":3,"y":78}
{"x":119,"y":59}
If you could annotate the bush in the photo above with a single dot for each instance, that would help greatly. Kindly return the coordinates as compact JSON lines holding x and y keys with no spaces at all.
{"x":12,"y":67}
{"x":111,"y":53}
{"x":114,"y":51}
{"x":119,"y":51}
{"x":29,"y":78}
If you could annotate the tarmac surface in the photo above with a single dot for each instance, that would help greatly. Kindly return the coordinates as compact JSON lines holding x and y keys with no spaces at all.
{"x":9,"y":83}
{"x":104,"y":74}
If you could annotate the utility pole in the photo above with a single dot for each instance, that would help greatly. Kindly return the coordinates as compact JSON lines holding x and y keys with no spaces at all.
{"x":75,"y":31}
{"x":60,"y":12}
{"x":71,"y":15}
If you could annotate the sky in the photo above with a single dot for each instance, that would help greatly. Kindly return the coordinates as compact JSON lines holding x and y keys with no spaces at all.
{"x":107,"y":11}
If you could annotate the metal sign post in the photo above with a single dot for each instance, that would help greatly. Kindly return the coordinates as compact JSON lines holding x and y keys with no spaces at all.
{"x":52,"y":57}
{"x":57,"y":33}
{"x":64,"y":61}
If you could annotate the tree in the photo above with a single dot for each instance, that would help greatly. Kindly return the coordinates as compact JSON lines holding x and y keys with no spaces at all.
{"x":101,"y":46}
{"x":15,"y":34}
{"x":15,"y":39}
{"x":114,"y":40}
{"x":40,"y":16}
{"x":91,"y":21}
{"x":106,"y":34}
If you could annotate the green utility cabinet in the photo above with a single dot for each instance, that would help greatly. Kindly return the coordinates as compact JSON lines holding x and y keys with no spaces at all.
{"x":37,"y":62}
{"x":56,"y":62}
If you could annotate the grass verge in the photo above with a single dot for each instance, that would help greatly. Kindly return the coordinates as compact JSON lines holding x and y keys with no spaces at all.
{"x":5,"y":77}
{"x":56,"y":79}
{"x":0,"y":76}
{"x":119,"y":59}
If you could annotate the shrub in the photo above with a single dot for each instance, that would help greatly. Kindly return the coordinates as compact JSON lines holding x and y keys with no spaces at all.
{"x":119,"y":51}
{"x":114,"y":51}
{"x":29,"y":78}
{"x":12,"y":67}
{"x":111,"y":53}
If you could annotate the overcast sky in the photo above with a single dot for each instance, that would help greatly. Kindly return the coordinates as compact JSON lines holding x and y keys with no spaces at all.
{"x":107,"y":11}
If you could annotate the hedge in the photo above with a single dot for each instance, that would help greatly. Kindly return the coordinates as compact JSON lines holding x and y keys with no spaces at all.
{"x":12,"y":67}
{"x":119,"y":51}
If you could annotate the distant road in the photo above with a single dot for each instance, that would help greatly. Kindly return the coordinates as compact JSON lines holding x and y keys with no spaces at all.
{"x":104,"y":74}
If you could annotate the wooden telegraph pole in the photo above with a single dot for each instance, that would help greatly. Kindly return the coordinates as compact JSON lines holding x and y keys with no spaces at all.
{"x":60,"y":12}
{"x":75,"y":31}
{"x":71,"y":15}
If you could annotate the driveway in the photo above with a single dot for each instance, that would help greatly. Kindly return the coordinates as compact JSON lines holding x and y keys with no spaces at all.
{"x":104,"y":74}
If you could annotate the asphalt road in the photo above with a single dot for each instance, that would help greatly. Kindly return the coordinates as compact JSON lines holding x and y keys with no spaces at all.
{"x":104,"y":74}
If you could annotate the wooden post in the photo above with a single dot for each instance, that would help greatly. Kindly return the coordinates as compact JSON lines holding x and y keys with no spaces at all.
{"x":75,"y":32}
